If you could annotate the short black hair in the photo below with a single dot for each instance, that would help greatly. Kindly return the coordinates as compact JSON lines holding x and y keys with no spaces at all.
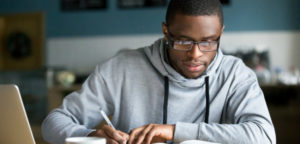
{"x":194,"y":8}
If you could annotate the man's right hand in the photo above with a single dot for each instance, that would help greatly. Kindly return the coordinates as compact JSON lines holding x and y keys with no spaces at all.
{"x":112,"y":136}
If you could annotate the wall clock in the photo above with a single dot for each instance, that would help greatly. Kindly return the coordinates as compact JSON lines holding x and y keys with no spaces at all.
{"x":18,"y":45}
{"x":22,"y":41}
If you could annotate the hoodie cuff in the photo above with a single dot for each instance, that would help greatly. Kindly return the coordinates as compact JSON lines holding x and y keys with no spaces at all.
{"x":185,"y":131}
{"x":82,"y":132}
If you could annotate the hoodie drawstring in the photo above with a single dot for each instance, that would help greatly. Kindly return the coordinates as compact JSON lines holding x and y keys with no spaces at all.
{"x":207,"y":99}
{"x":166,"y":97}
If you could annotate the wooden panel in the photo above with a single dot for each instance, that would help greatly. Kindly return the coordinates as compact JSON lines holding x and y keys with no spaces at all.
{"x":32,"y":25}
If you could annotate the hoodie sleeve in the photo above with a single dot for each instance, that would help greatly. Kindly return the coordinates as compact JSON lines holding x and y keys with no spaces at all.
{"x":245,"y":119}
{"x":79,"y":112}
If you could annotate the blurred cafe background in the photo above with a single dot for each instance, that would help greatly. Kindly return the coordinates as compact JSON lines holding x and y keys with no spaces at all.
{"x":48,"y":48}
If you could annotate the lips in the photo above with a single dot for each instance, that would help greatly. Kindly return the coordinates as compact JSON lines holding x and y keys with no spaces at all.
{"x":194,"y":67}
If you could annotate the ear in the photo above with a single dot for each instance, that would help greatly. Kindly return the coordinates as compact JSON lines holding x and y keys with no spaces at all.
{"x":165,"y":31}
{"x":223,"y":27}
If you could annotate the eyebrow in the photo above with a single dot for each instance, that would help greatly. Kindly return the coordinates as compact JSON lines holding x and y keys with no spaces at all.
{"x":184,"y":36}
{"x":202,"y":39}
{"x":210,"y":37}
{"x":188,"y":37}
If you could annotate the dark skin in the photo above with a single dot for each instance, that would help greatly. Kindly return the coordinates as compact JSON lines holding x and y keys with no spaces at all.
{"x":112,"y":136}
{"x":191,"y":64}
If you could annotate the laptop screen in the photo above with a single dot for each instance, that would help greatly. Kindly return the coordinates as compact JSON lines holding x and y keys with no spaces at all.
{"x":14,"y":125}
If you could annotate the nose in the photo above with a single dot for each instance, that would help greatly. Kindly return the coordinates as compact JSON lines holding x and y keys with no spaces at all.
{"x":195,"y":52}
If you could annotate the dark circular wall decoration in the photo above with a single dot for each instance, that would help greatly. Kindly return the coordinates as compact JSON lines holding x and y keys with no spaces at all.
{"x":18,"y":45}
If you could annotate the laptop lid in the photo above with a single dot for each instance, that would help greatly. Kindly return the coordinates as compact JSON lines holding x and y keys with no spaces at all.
{"x":14,"y":125}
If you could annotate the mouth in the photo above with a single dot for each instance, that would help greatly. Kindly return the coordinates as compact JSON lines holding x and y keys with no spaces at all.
{"x":194,"y":67}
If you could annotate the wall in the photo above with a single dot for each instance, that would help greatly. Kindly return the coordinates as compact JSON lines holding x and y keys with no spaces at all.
{"x":96,"y":35}
{"x":240,"y":15}
{"x":68,"y":52}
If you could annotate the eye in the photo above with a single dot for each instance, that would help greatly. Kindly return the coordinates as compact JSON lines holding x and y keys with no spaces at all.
{"x":183,"y":42}
{"x":205,"y":43}
{"x":187,"y":42}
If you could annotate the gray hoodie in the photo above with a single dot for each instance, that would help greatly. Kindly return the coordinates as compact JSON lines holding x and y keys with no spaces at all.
{"x":130,"y":86}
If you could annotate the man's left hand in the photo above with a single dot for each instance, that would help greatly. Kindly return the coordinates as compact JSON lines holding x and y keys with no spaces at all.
{"x":151,"y":133}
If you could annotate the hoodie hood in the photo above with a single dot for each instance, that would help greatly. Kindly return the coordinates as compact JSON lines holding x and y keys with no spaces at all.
{"x":156,"y":55}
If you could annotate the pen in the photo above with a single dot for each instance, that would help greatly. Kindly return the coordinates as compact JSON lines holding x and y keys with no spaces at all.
{"x":107,"y":119}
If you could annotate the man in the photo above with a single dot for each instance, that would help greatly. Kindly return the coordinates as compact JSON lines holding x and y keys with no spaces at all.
{"x":180,"y":88}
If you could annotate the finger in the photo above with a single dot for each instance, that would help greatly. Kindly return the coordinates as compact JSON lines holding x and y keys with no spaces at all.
{"x":156,"y":139}
{"x":143,"y":133}
{"x":149,"y":136}
{"x":98,"y":133}
{"x":113,"y":134}
{"x":101,"y":133}
{"x":133,"y":134}
{"x":124,"y":135}
{"x":111,"y":141}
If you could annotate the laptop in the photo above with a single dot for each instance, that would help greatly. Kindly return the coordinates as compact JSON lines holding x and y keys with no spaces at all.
{"x":14,"y":125}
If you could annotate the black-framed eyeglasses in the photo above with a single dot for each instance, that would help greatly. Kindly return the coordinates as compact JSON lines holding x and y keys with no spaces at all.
{"x":204,"y":46}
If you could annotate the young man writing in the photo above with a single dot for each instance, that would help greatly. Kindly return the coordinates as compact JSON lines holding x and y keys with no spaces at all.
{"x":180,"y":88}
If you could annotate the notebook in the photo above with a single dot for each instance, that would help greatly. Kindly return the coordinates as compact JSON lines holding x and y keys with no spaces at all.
{"x":197,"y":142}
{"x":14,"y":125}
